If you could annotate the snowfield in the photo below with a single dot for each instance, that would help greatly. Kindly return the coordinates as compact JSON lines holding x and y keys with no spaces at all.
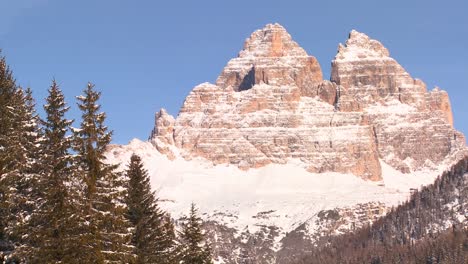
{"x":284,"y":196}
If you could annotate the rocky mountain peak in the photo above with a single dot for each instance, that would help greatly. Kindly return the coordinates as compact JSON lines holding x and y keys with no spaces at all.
{"x":271,"y":105}
{"x":163,"y":132}
{"x":271,"y":41}
{"x":359,"y":46}
{"x":270,"y":56}
{"x":271,"y":148}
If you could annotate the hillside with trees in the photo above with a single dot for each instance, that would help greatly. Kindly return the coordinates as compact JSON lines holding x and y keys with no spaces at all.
{"x":61,"y":202}
{"x":429,"y":228}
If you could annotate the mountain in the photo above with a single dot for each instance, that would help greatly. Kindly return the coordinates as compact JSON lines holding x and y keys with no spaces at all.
{"x":431,"y":227}
{"x":277,"y":158}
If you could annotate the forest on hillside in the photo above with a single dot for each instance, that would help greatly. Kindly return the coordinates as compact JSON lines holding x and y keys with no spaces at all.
{"x":60,"y":202}
{"x":430,"y":228}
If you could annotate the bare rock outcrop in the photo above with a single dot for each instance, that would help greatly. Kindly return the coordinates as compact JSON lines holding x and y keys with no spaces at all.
{"x":411,"y":126}
{"x":270,"y":56}
{"x":271,"y":105}
{"x":163,"y":133}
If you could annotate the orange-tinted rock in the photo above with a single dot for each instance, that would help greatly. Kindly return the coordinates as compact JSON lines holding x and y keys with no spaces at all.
{"x":163,"y":133}
{"x":369,"y":75}
{"x":270,"y":56}
{"x":270,"y":105}
{"x":411,"y":125}
{"x":438,"y":100}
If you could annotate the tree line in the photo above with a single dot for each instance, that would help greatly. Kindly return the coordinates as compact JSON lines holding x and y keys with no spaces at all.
{"x":60,"y":202}
{"x":430,"y":228}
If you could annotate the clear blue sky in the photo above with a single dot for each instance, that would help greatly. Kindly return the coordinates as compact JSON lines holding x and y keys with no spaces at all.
{"x":144,"y":55}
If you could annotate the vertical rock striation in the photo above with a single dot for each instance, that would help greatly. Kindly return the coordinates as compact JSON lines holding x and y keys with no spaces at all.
{"x":271,"y":105}
{"x":413,"y":128}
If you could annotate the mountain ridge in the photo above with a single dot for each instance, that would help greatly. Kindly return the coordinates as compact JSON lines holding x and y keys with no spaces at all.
{"x":274,"y":103}
{"x":276,"y":157}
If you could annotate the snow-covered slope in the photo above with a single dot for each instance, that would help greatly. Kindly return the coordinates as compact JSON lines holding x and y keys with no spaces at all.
{"x":281,"y":195}
{"x":276,"y":157}
{"x":289,"y":190}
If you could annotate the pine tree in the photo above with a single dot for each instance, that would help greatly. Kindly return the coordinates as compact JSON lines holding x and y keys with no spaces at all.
{"x":28,"y":197}
{"x":170,"y":239}
{"x":8,"y":91}
{"x":107,"y":236}
{"x":20,"y":172}
{"x":55,"y":222}
{"x":7,"y":162}
{"x":19,"y":147}
{"x":194,"y":248}
{"x":153,"y":236}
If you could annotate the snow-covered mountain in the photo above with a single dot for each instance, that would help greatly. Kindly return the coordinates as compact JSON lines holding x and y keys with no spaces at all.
{"x":276,"y":157}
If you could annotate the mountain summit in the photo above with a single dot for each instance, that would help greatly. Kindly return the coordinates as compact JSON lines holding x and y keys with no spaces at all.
{"x":278,"y":158}
{"x":270,"y":56}
{"x":270,"y":105}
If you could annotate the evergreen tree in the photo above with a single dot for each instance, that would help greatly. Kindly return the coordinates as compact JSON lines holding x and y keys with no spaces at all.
{"x":414,"y":232}
{"x":153,"y":235}
{"x":21,"y":173}
{"x":19,"y":147}
{"x":7,"y":162}
{"x":28,"y":196}
{"x":194,"y":248}
{"x":55,"y":222}
{"x":8,"y":91}
{"x":107,"y":237}
{"x":170,"y":239}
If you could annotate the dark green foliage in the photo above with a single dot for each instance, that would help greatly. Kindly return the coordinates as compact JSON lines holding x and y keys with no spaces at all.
{"x":56,"y":207}
{"x":194,"y":249}
{"x":448,"y":247}
{"x":56,"y":219}
{"x":8,"y":101}
{"x":153,"y":235}
{"x":411,"y":233}
{"x":25,"y":196}
{"x":107,"y":238}
{"x":20,"y":148}
{"x":20,"y":172}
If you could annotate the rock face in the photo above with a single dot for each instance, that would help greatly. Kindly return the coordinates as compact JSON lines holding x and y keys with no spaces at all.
{"x":271,"y":57}
{"x":164,"y":128}
{"x":411,"y":126}
{"x":271,"y":105}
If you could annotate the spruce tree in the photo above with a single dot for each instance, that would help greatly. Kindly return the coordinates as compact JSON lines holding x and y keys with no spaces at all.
{"x":28,"y":196}
{"x":19,"y":148}
{"x":153,"y":235}
{"x":8,"y":91}
{"x":7,"y":162}
{"x":21,"y":173}
{"x":170,"y":239}
{"x":194,"y":248}
{"x":55,"y":222}
{"x":107,"y":236}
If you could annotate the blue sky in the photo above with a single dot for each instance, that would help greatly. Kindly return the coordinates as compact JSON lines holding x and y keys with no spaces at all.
{"x":144,"y":55}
